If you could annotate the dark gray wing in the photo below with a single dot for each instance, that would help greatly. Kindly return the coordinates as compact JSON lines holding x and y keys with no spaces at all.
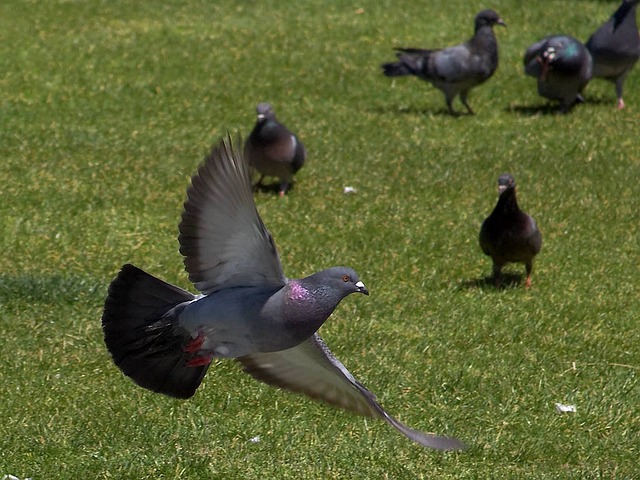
{"x":222,"y":237}
{"x":310,"y":368}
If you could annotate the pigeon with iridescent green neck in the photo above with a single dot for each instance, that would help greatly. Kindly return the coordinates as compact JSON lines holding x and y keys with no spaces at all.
{"x":562,"y":66}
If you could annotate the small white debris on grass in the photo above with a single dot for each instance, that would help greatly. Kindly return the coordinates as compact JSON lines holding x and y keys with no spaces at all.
{"x":255,"y":439}
{"x":12,"y":477}
{"x":349,"y":190}
{"x":562,"y":408}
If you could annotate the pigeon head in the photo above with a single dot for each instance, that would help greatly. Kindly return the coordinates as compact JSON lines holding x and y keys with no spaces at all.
{"x":265,"y":111}
{"x":506,"y":182}
{"x":345,"y":280}
{"x":488,"y":18}
{"x":335,"y":283}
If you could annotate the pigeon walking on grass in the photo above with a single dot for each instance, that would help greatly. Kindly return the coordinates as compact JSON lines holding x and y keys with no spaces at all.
{"x":563,"y":67}
{"x":454,"y":70}
{"x":164,"y":337}
{"x":273,"y":150}
{"x":615,"y":47}
{"x":509,"y":234}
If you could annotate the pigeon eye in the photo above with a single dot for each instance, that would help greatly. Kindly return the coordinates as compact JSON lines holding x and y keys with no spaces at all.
{"x":346,"y":278}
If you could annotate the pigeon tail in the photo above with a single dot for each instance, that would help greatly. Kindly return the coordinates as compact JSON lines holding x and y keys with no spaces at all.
{"x":397,"y":69}
{"x":141,"y":333}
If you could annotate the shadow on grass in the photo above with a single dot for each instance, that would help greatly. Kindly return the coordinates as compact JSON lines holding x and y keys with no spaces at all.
{"x":413,"y":110}
{"x":272,"y":188}
{"x":48,"y":289}
{"x":535,"y":110}
{"x":552,"y":108}
{"x":509,"y":281}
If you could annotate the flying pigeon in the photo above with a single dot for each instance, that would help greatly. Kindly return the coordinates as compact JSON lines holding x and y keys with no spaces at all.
{"x":164,"y":337}
{"x":509,"y":234}
{"x":563,"y":67}
{"x":454,"y":70}
{"x":615,"y":47}
{"x":273,"y":150}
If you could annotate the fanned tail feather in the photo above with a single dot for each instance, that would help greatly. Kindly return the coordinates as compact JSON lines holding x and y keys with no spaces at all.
{"x":140,"y":331}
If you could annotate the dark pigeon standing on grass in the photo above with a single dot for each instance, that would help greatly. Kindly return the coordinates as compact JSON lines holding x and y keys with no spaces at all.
{"x":615,"y":47}
{"x":563,"y":67}
{"x":273,"y":150}
{"x":509,"y":234}
{"x":454,"y":70}
{"x":164,"y":337}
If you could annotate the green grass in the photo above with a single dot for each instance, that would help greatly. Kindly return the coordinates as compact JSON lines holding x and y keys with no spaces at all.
{"x":106,"y":109}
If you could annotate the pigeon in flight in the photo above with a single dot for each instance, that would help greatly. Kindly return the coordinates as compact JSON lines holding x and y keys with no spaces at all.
{"x":509,"y":234}
{"x":615,"y":47}
{"x":273,"y":150}
{"x":454,"y":70}
{"x":563,"y":67}
{"x":164,"y":337}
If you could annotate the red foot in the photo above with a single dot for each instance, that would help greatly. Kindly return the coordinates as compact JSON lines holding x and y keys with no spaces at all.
{"x":200,"y":361}
{"x":195,"y":344}
{"x":527,"y":283}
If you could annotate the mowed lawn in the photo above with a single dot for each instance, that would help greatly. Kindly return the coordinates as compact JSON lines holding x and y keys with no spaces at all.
{"x":106,"y":109}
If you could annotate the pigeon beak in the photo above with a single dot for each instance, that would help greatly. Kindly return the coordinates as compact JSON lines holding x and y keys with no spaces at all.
{"x":361,"y":288}
{"x":501,"y":22}
{"x":261,"y":116}
{"x":501,"y":188}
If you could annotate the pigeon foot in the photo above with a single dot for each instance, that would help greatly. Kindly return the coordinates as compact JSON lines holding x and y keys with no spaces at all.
{"x":620,"y":104}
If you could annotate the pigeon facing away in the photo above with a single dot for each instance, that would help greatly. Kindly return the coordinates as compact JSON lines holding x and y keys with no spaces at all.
{"x":509,"y":234}
{"x":273,"y":150}
{"x":615,"y":47}
{"x":164,"y":337}
{"x":563,"y":67}
{"x":454,"y":70}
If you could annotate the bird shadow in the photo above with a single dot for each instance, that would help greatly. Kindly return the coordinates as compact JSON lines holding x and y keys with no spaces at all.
{"x":509,"y":281}
{"x":413,"y":110}
{"x":48,"y":289}
{"x":272,"y":188}
{"x":552,"y":108}
{"x":536,"y":110}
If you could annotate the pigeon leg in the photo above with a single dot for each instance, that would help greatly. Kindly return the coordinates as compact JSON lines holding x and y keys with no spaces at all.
{"x":619,"y":87}
{"x":527,"y":282}
{"x":497,"y":275}
{"x":450,"y":104}
{"x":284,"y":186}
{"x":463,"y":99}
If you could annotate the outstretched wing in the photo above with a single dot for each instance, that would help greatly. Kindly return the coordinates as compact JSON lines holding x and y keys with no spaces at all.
{"x":310,"y":368}
{"x":222,"y":237}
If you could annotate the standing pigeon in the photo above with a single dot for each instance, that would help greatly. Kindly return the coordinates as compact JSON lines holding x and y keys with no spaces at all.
{"x":509,"y":234}
{"x":615,"y":47}
{"x":562,"y":66}
{"x":164,"y":337}
{"x":454,"y":70}
{"x":273,"y":150}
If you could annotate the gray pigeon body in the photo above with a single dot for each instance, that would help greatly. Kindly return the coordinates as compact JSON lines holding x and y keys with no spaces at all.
{"x":273,"y":150}
{"x":508,"y":234}
{"x":164,"y":337}
{"x":454,"y":70}
{"x":615,"y":47}
{"x":562,"y":66}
